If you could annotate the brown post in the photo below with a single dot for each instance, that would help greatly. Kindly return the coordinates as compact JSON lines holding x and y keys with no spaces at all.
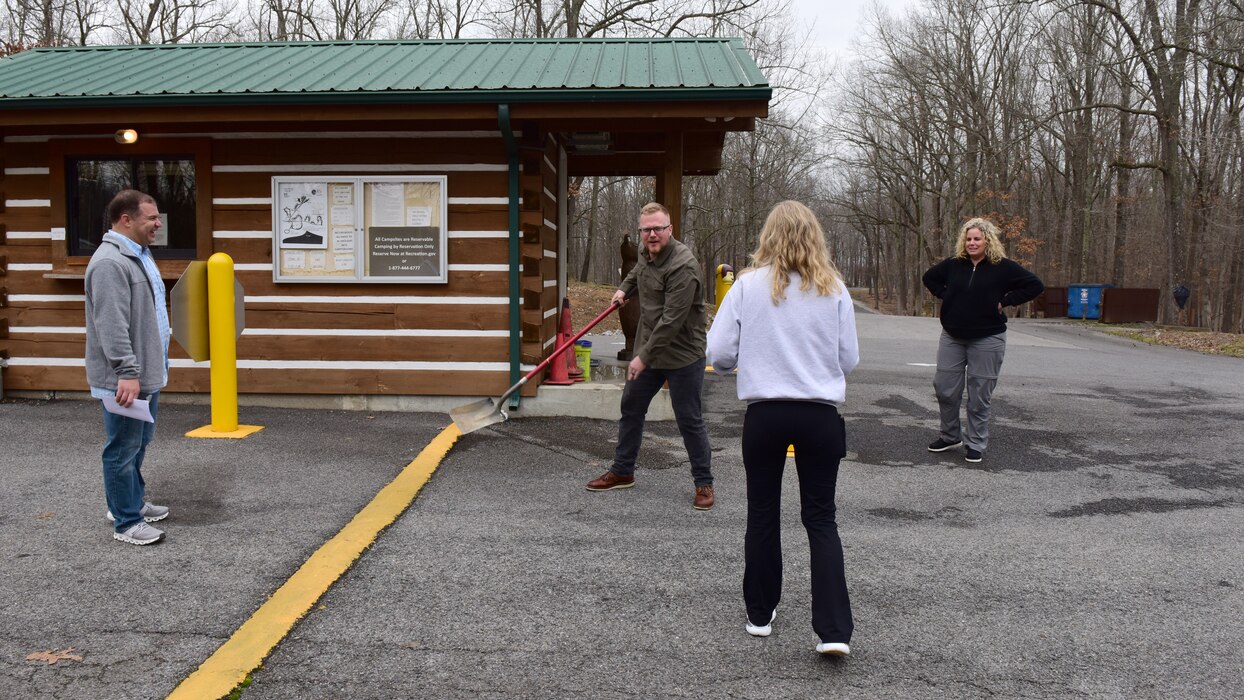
{"x":629,"y":314}
{"x":669,"y":181}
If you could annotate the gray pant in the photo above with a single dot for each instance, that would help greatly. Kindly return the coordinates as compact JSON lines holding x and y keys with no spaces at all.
{"x":975,"y":363}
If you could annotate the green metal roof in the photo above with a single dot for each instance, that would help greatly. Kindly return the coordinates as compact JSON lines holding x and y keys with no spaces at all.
{"x":518,"y":70}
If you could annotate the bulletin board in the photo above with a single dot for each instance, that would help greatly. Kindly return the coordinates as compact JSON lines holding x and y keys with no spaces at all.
{"x":367,"y":229}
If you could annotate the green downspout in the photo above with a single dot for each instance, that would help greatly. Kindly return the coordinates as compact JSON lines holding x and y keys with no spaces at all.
{"x":511,"y":150}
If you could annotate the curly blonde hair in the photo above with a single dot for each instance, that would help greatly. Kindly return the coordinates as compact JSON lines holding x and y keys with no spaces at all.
{"x":994,"y":249}
{"x":792,"y":240}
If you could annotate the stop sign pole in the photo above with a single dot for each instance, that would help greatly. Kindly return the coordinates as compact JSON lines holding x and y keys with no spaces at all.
{"x":207,"y":320}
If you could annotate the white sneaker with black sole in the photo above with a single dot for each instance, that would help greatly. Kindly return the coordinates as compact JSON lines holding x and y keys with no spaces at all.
{"x":140,"y":534}
{"x":150,"y":512}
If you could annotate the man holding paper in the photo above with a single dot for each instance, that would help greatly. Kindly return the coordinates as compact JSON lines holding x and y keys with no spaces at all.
{"x":127,"y":336}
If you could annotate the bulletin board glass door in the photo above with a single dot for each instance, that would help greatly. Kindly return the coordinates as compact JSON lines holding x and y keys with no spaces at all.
{"x":374,"y":229}
{"x":404,"y":229}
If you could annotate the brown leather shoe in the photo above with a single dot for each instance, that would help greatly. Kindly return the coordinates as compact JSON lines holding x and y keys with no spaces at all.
{"x":609,"y":481}
{"x":704,"y":498}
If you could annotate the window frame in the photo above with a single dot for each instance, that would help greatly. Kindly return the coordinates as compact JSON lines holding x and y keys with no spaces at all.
{"x":73,"y":210}
{"x":61,"y":151}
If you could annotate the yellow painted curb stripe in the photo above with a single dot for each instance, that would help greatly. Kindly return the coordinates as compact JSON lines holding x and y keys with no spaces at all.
{"x":255,"y":639}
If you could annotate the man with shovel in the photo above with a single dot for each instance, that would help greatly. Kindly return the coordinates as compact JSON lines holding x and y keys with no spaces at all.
{"x":669,"y":347}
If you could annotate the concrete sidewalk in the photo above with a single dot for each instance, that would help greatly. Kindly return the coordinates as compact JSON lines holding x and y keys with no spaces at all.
{"x":1094,"y":553}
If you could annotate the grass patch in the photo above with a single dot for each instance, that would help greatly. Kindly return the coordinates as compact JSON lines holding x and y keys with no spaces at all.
{"x":236,"y":693}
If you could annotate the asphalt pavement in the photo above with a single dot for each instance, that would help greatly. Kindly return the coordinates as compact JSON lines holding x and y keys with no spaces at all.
{"x":1096,"y":552}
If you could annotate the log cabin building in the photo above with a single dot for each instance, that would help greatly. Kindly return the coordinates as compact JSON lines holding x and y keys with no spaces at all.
{"x":396,"y":211}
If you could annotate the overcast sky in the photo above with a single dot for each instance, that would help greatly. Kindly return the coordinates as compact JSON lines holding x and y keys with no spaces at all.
{"x":839,"y":21}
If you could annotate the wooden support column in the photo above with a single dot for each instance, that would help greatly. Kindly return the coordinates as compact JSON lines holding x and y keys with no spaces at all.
{"x":669,"y":181}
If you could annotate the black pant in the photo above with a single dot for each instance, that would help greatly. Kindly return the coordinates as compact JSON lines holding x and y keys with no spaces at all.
{"x":686,"y":386}
{"x":819,"y":436}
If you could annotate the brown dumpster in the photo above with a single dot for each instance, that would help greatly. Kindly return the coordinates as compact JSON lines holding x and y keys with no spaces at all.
{"x":1129,"y":305}
{"x":1052,"y":303}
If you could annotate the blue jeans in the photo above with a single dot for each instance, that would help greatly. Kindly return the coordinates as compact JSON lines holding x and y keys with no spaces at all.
{"x":686,"y":385}
{"x":125,"y":443}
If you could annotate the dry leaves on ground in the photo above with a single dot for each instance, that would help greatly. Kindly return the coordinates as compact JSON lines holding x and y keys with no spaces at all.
{"x":53,"y":655}
{"x":1230,"y":344}
{"x":588,"y":300}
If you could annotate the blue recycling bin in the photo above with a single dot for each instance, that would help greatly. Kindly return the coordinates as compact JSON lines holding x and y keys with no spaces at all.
{"x":1084,"y":300}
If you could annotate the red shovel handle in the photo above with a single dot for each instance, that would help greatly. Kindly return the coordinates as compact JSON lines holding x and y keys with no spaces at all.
{"x":562,"y":348}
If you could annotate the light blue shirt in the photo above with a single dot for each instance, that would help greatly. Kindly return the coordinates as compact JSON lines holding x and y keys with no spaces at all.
{"x":161,"y":304}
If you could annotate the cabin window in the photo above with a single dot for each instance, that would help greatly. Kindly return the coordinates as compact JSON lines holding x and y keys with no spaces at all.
{"x":93,"y":182}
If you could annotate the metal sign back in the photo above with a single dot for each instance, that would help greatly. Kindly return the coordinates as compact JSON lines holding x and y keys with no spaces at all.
{"x":188,"y":312}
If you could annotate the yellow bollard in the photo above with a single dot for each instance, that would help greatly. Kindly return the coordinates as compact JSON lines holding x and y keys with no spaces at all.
{"x":725,"y":278}
{"x":223,"y":342}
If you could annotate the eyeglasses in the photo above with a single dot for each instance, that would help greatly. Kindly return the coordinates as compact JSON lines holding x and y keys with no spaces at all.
{"x":653,"y":229}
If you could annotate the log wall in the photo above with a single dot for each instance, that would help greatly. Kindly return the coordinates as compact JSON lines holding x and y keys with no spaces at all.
{"x":322,"y":338}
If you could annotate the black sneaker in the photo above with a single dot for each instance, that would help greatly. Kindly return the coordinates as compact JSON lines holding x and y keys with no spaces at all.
{"x":972,"y":455}
{"x":940,"y":445}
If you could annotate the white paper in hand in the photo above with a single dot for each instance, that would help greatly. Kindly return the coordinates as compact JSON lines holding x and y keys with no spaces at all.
{"x":140,"y":409}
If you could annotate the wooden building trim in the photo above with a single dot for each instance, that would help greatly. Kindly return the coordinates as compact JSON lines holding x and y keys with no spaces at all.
{"x":481,"y":113}
{"x":411,"y":168}
{"x":456,"y":331}
{"x":277,"y":381}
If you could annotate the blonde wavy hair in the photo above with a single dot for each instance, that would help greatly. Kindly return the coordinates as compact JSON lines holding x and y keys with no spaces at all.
{"x":792,"y":240}
{"x":994,"y":250}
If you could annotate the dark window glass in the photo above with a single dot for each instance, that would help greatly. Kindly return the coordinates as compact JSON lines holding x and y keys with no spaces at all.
{"x":93,"y":182}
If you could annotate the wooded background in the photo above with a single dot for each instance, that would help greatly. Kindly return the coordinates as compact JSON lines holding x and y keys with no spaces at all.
{"x":1104,"y":136}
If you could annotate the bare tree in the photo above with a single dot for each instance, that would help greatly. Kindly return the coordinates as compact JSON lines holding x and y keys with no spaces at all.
{"x":42,"y":22}
{"x":357,"y":19}
{"x":439,"y":19}
{"x":1161,"y":42}
{"x":175,"y":21}
{"x":598,"y":18}
{"x":284,"y":20}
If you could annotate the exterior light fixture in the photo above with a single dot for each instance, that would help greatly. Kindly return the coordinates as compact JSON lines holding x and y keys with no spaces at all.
{"x":126,"y":136}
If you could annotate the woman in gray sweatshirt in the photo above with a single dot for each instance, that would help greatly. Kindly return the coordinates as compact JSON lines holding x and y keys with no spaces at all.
{"x":788,"y":324}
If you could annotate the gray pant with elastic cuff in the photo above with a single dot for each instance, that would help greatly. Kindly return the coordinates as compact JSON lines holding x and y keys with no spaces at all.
{"x":976,"y":364}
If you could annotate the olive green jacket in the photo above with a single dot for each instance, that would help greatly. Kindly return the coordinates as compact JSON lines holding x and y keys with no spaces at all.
{"x":672,"y":318}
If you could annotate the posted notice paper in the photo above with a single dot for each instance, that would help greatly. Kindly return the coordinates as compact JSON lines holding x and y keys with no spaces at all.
{"x":140,"y":409}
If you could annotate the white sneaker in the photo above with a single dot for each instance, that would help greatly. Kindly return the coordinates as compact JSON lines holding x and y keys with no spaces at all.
{"x":761,"y":630}
{"x":140,"y":534}
{"x":150,"y":512}
{"x":833,"y":649}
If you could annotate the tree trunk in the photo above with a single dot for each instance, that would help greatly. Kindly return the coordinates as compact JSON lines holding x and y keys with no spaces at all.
{"x":1123,"y":191}
{"x":586,"y":268}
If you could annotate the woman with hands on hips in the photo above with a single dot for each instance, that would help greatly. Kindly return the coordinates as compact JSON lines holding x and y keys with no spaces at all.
{"x":974,"y":285}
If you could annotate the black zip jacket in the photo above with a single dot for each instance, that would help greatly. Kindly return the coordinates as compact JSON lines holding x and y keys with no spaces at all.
{"x":970,"y":294}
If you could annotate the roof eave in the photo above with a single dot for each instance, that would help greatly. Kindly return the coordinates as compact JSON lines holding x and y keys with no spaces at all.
{"x":733,"y":94}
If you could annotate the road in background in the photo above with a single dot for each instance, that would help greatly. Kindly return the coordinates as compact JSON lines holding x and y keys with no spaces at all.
{"x":1095,"y":552}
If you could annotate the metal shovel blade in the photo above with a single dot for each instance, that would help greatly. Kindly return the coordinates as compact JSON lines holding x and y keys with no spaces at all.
{"x":477,"y":414}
